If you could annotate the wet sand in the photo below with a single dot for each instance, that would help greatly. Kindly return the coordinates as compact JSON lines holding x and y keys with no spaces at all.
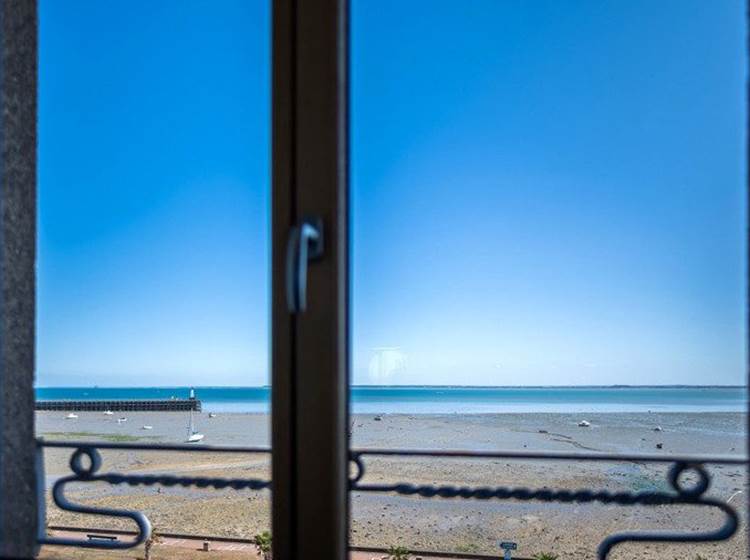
{"x":429,"y":524}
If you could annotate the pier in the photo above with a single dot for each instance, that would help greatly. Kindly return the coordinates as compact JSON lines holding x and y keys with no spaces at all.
{"x":162,"y":405}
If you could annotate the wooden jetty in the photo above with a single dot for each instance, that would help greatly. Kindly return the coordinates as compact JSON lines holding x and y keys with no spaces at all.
{"x":162,"y":405}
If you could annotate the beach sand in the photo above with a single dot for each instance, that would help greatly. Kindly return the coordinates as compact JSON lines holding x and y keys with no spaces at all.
{"x":570,"y":530}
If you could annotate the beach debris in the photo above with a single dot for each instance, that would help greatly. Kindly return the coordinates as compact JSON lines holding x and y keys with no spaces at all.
{"x":737,"y":493}
{"x":584,"y":424}
{"x":659,"y":445}
{"x":543,"y":432}
{"x":153,"y":539}
{"x":147,"y":428}
{"x":71,"y":416}
{"x":108,"y":413}
{"x":378,"y":418}
{"x":658,"y":429}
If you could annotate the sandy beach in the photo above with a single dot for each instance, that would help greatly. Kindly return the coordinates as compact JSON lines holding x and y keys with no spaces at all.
{"x":569,"y":530}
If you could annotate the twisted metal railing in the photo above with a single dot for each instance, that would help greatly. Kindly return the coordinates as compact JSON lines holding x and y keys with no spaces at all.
{"x":83,"y":472}
{"x":682,"y":493}
{"x":85,"y":463}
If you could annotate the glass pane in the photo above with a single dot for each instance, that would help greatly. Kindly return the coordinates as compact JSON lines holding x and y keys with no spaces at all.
{"x":154,"y":189}
{"x":548,"y":255}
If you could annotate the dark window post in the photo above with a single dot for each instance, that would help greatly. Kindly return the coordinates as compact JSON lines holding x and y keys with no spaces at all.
{"x":310,"y":343}
{"x":18,"y":85}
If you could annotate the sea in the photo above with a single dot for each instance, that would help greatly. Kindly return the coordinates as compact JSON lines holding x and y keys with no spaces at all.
{"x":447,"y":399}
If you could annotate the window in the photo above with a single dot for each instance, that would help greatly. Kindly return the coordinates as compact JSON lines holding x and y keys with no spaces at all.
{"x":540,"y":195}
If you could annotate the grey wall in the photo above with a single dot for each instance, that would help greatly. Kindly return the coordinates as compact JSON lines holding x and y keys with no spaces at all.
{"x":18,"y":85}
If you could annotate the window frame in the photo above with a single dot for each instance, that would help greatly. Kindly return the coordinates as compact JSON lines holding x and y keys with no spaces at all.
{"x":310,"y":349}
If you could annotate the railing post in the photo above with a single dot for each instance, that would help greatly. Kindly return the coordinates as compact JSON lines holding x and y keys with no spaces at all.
{"x":18,"y":89}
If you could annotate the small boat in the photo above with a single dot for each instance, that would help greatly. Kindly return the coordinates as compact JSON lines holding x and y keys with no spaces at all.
{"x":147,"y":428}
{"x":193,"y":436}
{"x":121,"y":420}
{"x":212,"y":415}
{"x":108,"y":413}
{"x":71,"y":416}
{"x":584,"y":424}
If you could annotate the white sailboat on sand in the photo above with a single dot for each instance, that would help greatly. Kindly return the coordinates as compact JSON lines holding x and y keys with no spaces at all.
{"x":193,"y":436}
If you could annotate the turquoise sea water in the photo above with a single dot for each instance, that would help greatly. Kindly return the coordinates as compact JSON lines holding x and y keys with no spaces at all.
{"x":438,"y":399}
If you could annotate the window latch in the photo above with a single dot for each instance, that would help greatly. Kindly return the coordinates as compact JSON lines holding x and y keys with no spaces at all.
{"x":305,"y":245}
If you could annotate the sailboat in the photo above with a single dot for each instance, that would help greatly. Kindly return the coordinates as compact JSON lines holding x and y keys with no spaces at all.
{"x":193,"y":436}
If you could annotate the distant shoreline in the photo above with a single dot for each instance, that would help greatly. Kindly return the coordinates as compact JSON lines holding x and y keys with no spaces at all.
{"x":618,"y":386}
{"x":439,"y":399}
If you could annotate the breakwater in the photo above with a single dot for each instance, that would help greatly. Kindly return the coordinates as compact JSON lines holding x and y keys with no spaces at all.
{"x":114,"y":405}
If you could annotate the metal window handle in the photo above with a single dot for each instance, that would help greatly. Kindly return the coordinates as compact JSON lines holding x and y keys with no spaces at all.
{"x":305,"y":244}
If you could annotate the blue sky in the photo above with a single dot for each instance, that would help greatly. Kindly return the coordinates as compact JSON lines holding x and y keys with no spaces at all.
{"x":542,"y":192}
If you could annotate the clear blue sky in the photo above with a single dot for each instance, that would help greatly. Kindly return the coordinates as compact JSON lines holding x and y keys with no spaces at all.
{"x":544,"y":192}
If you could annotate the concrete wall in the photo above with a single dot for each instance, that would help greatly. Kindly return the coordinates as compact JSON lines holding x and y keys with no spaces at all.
{"x":18,"y":86}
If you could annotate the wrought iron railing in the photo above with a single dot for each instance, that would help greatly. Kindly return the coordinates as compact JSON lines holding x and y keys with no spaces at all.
{"x":85,"y":464}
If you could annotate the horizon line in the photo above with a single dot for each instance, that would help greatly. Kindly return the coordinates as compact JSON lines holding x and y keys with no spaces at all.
{"x":453,"y":386}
